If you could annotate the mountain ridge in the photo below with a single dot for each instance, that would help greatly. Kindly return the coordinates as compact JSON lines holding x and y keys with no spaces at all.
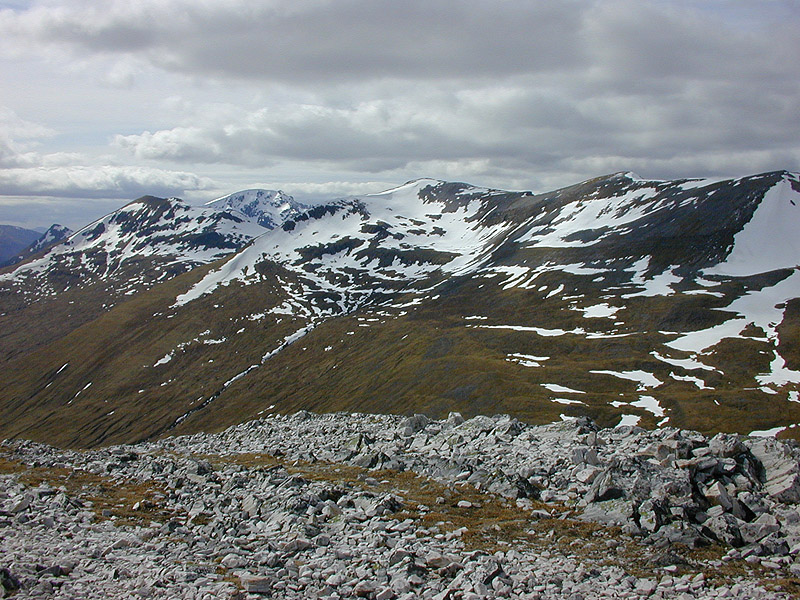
{"x":599,"y":298}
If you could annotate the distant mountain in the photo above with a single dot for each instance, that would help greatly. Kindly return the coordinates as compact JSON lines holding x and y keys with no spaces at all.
{"x":13,"y":240}
{"x":50,"y":237}
{"x":632,"y":301}
{"x":146,"y":241}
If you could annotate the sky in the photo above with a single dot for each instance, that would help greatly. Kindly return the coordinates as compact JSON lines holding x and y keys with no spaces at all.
{"x":102,"y":102}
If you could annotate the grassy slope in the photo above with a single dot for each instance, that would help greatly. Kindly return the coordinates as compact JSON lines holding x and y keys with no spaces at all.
{"x":429,"y":360}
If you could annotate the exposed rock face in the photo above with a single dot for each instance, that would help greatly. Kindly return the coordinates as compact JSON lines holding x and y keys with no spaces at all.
{"x":220,"y":527}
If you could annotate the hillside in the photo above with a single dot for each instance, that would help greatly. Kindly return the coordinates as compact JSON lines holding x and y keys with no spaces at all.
{"x":641,"y":302}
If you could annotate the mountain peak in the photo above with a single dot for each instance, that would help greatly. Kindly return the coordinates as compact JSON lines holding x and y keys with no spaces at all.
{"x":270,"y":208}
{"x":54,"y":234}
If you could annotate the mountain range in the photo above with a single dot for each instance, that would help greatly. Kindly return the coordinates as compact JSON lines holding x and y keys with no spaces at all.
{"x":632,"y":301}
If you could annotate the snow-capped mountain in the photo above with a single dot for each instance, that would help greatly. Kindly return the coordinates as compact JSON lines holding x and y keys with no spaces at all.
{"x":151,"y":239}
{"x":372,"y":246}
{"x":633,"y":301}
{"x":269,"y":208}
{"x":54,"y":234}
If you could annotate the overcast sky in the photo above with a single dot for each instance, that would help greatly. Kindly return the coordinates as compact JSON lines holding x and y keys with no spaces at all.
{"x":101,"y":102}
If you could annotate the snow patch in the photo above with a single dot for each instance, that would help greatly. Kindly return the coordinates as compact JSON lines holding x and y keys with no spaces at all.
{"x":629,"y":420}
{"x":566,"y":401}
{"x":599,"y":311}
{"x":646,"y":380}
{"x":699,"y":383}
{"x":527,"y":360}
{"x":650,"y":404}
{"x":767,"y":432}
{"x":560,"y":389}
{"x":779,"y":374}
{"x":164,"y":360}
{"x":769,"y":241}
{"x":690,"y":364}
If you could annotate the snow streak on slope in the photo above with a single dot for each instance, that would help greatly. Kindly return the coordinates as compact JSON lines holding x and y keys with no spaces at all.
{"x":768,"y":242}
{"x":590,"y":214}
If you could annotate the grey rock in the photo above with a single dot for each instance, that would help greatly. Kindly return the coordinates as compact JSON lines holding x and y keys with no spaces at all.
{"x":610,"y":512}
{"x":21,"y":504}
{"x":8,"y":581}
{"x":414,"y":424}
{"x":725,"y":528}
{"x":781,"y":468}
{"x":759,"y":529}
{"x":716,"y":494}
{"x":254,"y":584}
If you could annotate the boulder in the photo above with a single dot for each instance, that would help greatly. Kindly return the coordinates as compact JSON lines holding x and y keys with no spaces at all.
{"x":609,"y":512}
{"x":759,"y":529}
{"x":725,"y":528}
{"x":603,"y":488}
{"x":414,"y":424}
{"x":255,"y":584}
{"x":781,"y":468}
{"x":717,"y":495}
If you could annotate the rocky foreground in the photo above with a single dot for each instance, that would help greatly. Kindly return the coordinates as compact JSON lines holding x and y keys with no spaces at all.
{"x":381,"y":507}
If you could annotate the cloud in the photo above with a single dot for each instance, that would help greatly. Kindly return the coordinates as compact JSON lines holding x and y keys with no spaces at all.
{"x":512,"y":93}
{"x":330,"y":189}
{"x":501,"y":129}
{"x":17,"y":139}
{"x":99,"y":182}
{"x":26,"y":172}
{"x":327,"y":41}
{"x":309,"y":40}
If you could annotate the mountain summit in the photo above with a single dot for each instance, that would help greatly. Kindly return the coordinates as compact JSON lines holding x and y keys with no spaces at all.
{"x":628,"y":300}
{"x":268,"y":208}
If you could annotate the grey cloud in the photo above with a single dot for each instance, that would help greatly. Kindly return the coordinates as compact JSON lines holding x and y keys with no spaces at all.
{"x":519,"y":123}
{"x":316,"y":40}
{"x":31,"y":173}
{"x":18,"y":137}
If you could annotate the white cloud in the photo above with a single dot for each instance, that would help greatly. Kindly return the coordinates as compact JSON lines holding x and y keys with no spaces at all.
{"x":99,"y":182}
{"x":330,"y":189}
{"x":18,"y":138}
{"x":27,"y":172}
{"x":490,"y":130}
